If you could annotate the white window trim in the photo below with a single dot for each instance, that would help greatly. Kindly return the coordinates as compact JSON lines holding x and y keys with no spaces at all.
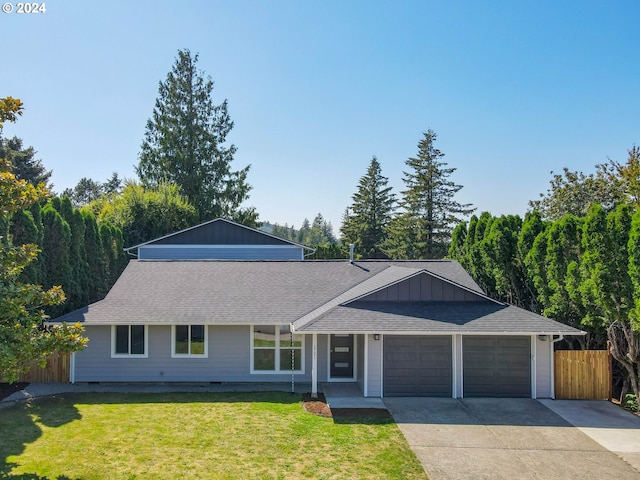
{"x":276,"y":349}
{"x":129,"y":355}
{"x":189,"y":355}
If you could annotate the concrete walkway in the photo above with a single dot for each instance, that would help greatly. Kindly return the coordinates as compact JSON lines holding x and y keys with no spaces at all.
{"x":501,"y":439}
{"x":611,"y":426}
{"x":34,"y":390}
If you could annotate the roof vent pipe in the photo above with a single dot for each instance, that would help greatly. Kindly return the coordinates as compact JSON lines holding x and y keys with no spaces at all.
{"x":351,"y":247}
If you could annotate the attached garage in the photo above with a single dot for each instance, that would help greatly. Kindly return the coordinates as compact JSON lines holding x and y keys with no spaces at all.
{"x":496,"y":366}
{"x":417,"y":366}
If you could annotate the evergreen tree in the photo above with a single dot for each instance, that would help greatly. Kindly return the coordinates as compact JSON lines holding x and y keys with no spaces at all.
{"x":87,"y":190}
{"x":96,"y":263}
{"x":606,"y":284}
{"x":303,"y":233}
{"x":365,"y":223}
{"x":23,"y":164}
{"x":23,"y":339}
{"x":184,"y":143}
{"x":26,"y":229}
{"x":429,"y":210}
{"x":56,"y":247}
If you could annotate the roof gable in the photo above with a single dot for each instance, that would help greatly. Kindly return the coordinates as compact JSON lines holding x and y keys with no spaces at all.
{"x":396,"y":284}
{"x":219,"y":232}
{"x":423,"y":286}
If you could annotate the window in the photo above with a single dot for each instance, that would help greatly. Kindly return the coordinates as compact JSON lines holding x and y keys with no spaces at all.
{"x":274,"y":349}
{"x":189,"y":341}
{"x":129,"y":341}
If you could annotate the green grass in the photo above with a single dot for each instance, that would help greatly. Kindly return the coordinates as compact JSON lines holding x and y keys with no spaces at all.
{"x":208,"y":435}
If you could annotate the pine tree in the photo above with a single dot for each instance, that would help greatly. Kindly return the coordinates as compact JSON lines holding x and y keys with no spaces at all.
{"x":23,"y":163}
{"x":365,"y":223}
{"x":184,"y":143}
{"x":429,"y":210}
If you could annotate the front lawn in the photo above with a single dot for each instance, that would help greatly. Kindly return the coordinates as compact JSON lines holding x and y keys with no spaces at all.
{"x":187,"y":435}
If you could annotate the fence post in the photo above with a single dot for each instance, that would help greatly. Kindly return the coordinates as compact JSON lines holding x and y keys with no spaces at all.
{"x":610,"y":366}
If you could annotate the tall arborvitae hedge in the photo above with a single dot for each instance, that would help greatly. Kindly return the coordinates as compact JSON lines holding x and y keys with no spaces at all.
{"x":76,"y":253}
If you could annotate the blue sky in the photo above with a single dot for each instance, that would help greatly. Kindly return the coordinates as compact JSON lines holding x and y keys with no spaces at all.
{"x":513,"y":89}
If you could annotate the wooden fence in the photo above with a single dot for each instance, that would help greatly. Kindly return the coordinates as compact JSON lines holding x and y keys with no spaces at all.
{"x":57,"y":370}
{"x":582,"y":374}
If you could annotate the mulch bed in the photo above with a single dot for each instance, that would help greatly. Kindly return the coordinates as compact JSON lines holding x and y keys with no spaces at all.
{"x":318,"y":406}
{"x":7,"y":389}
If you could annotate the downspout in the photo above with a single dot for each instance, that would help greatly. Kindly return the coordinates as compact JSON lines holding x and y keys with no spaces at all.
{"x":293,"y":366}
{"x":553,"y":366}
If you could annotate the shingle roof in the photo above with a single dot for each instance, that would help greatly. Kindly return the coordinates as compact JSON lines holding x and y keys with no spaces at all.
{"x":434,"y":317}
{"x":277,"y":292}
{"x":392,"y":274}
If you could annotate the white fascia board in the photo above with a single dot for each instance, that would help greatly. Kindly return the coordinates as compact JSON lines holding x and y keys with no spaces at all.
{"x":429,"y":333}
{"x":230,"y":246}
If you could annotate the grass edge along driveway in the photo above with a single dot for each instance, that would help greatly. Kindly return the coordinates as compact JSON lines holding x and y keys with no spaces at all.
{"x":195,"y":435}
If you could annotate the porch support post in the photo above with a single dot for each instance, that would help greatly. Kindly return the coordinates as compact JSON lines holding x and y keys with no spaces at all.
{"x":314,"y":365}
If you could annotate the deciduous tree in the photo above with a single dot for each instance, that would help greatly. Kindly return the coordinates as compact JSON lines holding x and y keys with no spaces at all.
{"x":145,"y":213}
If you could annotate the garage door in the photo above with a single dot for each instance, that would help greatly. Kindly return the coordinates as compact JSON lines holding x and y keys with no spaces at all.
{"x":417,"y":366}
{"x":496,"y":366}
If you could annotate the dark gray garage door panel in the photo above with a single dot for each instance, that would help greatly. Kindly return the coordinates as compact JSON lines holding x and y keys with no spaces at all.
{"x":497,"y":366}
{"x":417,"y":366}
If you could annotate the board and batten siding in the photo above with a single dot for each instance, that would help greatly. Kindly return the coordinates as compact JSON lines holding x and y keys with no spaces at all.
{"x":228,"y":359}
{"x":220,"y":252}
{"x":422,"y":288}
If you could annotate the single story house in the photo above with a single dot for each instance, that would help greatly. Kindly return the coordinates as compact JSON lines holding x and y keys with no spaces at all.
{"x":221,"y":302}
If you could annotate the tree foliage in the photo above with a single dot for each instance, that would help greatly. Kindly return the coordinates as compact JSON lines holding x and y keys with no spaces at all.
{"x":429,"y":211}
{"x":572,"y":193}
{"x":184,"y":143}
{"x":582,"y":271}
{"x":606,"y":287}
{"x":23,"y":163}
{"x":88,"y":190}
{"x":145,"y":213}
{"x":24,"y":338}
{"x":318,"y":233}
{"x":365,"y":222}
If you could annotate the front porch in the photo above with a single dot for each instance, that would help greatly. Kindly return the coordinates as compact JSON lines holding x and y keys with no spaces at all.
{"x":348,"y":395}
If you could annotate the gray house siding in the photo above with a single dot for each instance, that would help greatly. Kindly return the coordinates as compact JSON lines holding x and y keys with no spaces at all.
{"x":226,"y":252}
{"x":228,"y":359}
{"x":422,"y":288}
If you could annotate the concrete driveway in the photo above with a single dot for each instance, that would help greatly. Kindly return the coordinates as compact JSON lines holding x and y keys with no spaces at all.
{"x":502,"y":438}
